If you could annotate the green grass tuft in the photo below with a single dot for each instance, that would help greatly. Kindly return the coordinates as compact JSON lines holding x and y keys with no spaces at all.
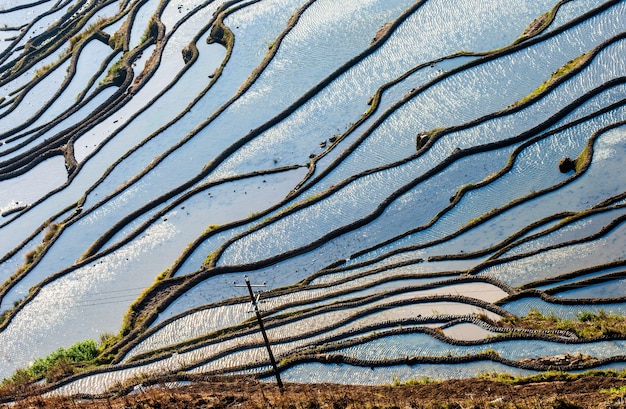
{"x":587,"y":324}
{"x":58,"y":364}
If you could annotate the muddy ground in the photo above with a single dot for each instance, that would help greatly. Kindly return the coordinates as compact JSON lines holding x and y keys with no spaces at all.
{"x":594,"y":392}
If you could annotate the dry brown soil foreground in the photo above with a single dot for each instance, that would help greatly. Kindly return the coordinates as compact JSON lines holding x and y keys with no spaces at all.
{"x":467,"y":393}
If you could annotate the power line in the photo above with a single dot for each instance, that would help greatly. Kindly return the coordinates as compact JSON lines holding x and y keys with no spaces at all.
{"x":123,"y":298}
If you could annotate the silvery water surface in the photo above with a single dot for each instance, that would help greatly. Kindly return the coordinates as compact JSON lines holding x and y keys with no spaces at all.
{"x":288,"y":151}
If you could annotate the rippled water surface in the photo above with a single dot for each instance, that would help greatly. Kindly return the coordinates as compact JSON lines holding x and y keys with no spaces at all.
{"x":389,"y":173}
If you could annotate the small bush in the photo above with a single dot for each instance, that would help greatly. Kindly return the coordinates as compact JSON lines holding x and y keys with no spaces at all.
{"x":30,"y":256}
{"x":58,"y":364}
{"x":52,"y":230}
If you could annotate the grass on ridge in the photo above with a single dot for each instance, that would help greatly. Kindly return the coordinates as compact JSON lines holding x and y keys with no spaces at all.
{"x":587,"y":324}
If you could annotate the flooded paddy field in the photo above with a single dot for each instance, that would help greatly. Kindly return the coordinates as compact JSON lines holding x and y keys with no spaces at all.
{"x":400,"y":175}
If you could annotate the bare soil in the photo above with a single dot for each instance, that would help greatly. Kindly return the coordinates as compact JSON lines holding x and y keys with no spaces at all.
{"x":593,"y":392}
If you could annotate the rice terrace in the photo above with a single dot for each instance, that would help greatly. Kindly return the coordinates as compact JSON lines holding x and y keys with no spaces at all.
{"x":427,"y":189}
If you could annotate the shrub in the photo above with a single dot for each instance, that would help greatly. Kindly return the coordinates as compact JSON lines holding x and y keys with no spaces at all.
{"x":58,"y":364}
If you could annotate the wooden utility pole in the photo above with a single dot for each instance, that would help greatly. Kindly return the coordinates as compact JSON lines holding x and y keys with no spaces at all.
{"x":254,"y":301}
